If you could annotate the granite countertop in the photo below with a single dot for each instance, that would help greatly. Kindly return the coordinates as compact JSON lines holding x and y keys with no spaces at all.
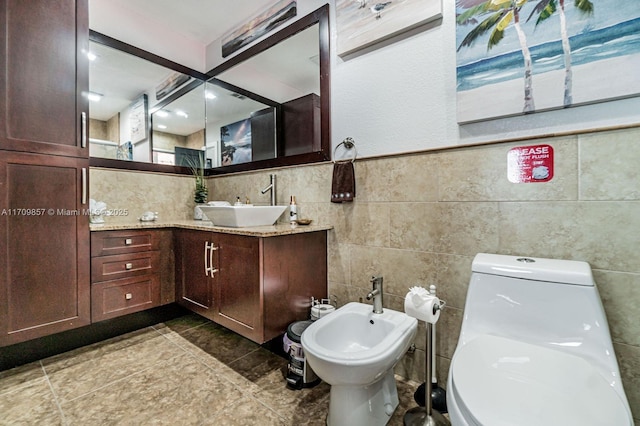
{"x":203,"y":225}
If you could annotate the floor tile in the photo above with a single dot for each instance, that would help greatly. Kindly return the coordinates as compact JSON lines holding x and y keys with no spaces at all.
{"x":78,"y":372}
{"x":179,"y":391}
{"x":29,"y":403}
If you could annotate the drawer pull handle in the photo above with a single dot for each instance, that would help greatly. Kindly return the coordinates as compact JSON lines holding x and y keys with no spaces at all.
{"x":128,"y":296}
{"x":128,"y":266}
{"x":128,"y":242}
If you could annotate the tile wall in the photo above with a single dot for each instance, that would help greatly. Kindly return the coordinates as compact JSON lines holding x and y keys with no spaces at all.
{"x":419,"y":220}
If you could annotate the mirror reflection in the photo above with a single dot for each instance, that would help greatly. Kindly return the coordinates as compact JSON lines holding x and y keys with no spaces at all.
{"x":267,"y":106}
{"x":178,"y":127}
{"x":286,"y":76}
{"x":123,"y":89}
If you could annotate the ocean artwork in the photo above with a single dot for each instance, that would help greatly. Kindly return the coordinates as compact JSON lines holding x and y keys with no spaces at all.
{"x":258,"y":26}
{"x":521,"y":57}
{"x":363,"y":23}
{"x":236,"y":143}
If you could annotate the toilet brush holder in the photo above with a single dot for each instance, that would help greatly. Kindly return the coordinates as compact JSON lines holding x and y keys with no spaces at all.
{"x":426,"y":415}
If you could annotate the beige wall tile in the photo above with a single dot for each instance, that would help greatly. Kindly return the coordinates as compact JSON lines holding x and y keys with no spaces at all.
{"x":401,"y":269}
{"x":620,"y":293}
{"x":609,"y":164}
{"x":406,"y":178}
{"x":480,"y":174}
{"x":629,"y":362}
{"x":605,"y":234}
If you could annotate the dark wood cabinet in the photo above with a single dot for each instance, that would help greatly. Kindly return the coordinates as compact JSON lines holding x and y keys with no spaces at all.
{"x":255,"y":286}
{"x":44,"y":246}
{"x":195,"y":280}
{"x":45,"y":76}
{"x":131,"y":271}
{"x":301,"y":124}
{"x":44,"y":228}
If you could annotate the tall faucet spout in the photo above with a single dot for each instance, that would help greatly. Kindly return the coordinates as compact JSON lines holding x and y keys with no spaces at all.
{"x":376,"y":294}
{"x":272,"y":188}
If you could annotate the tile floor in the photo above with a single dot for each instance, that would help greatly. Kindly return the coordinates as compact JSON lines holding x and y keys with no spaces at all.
{"x":188,"y":371}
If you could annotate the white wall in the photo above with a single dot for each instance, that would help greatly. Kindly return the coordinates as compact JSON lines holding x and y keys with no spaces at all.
{"x":113,"y":18}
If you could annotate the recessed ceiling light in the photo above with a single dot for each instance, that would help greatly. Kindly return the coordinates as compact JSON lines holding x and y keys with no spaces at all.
{"x":162,"y":126}
{"x":209,"y":95}
{"x":94,"y":97}
{"x":162,"y":113}
{"x":92,"y":56}
{"x":182,"y":114}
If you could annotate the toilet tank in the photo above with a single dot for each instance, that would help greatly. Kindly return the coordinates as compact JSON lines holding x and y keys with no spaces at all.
{"x":548,"y":302}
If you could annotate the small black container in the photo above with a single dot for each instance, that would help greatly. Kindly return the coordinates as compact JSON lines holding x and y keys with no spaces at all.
{"x":299,"y":373}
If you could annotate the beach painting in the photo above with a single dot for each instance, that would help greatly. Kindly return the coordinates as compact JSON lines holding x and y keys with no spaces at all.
{"x":363,"y":23}
{"x":520,"y":57}
{"x":258,"y":25}
{"x":236,"y":143}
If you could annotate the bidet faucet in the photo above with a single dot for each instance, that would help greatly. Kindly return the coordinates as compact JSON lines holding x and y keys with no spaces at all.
{"x":272,"y":188}
{"x":376,"y":294}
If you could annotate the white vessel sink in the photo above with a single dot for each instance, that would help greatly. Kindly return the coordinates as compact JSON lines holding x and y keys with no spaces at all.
{"x":243,"y":216}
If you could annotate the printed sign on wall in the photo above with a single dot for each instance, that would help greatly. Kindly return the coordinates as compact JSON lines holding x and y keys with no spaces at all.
{"x":533,"y":163}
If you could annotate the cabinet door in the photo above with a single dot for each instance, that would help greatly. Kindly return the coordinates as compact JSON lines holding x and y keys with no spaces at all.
{"x":44,"y":250}
{"x":239,"y":295}
{"x":44,"y":78}
{"x":195,"y":256}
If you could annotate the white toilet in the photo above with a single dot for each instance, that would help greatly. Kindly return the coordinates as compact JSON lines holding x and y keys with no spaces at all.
{"x":534,"y":348}
{"x":354,"y":350}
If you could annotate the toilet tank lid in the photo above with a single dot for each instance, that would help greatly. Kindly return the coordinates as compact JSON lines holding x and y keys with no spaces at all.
{"x":534,"y":268}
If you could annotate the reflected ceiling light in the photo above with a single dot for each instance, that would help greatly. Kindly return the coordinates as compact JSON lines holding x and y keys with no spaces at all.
{"x":94,"y":97}
{"x":162,"y":126}
{"x":209,"y":95}
{"x":162,"y":113}
{"x":92,"y":56}
{"x":182,"y":114}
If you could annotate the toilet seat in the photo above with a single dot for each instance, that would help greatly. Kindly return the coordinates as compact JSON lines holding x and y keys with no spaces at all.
{"x":499,"y":381}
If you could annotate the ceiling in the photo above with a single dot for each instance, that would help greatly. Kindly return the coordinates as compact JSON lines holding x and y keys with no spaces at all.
{"x":201,"y":20}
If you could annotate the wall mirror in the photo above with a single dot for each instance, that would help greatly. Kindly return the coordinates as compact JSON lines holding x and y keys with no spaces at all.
{"x":236,"y":120}
{"x":125,"y":90}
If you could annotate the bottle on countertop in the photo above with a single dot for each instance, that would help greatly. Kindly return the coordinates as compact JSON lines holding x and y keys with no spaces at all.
{"x":238,"y":202}
{"x":293,"y":209}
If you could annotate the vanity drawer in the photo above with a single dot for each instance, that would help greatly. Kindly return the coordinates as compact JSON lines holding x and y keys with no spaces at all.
{"x":106,"y":268}
{"x":111,"y":299}
{"x":107,"y":243}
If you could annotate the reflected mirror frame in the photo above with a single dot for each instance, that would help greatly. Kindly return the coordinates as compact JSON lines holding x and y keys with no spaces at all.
{"x":143,"y":54}
{"x":320,"y":16}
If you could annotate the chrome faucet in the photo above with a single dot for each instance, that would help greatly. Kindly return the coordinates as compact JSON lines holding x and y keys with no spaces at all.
{"x":376,"y":294}
{"x":272,"y":188}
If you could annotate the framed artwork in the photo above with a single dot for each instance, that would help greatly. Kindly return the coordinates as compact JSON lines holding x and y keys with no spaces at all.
{"x":257,"y":26}
{"x":138,"y":123}
{"x":518,"y":58}
{"x":362,"y":23}
{"x":235,"y":139}
{"x":171,"y":83}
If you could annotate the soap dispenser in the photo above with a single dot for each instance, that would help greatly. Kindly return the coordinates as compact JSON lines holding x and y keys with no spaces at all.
{"x":293,"y":210}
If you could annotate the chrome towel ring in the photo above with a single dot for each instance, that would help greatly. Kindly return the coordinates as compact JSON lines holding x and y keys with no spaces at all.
{"x":349,"y":144}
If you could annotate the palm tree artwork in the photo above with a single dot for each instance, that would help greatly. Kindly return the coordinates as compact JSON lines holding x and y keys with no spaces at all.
{"x":501,"y":14}
{"x":545,"y":9}
{"x":517,"y":57}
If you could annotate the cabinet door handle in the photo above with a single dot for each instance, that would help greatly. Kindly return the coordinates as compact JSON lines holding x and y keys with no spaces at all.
{"x":206,"y":258}
{"x":83,"y":129}
{"x":211,"y":268}
{"x":84,"y":185}
{"x":128,"y":296}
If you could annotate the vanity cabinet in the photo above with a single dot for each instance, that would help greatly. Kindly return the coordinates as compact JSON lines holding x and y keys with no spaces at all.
{"x":195,"y":276}
{"x":130,"y":271}
{"x":44,"y":231}
{"x":253,"y":285}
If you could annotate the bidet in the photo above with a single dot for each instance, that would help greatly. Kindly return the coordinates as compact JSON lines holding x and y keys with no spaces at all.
{"x":354,"y":350}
